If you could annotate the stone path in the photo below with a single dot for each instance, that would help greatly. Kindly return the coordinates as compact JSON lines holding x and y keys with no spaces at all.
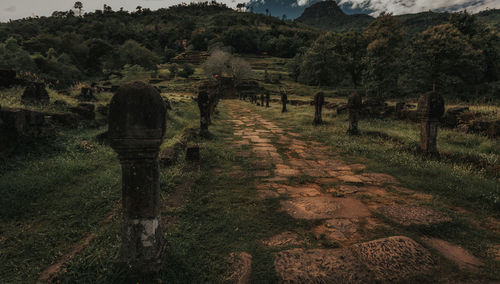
{"x":347,"y":201}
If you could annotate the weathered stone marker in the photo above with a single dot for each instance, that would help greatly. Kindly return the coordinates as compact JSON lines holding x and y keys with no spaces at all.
{"x":204,"y":106}
{"x":35,"y":93}
{"x":262,"y":100}
{"x":268,"y":98}
{"x":136,"y":131}
{"x":319,"y":100}
{"x":354,"y":104}
{"x":430,"y":109}
{"x":284,"y":99}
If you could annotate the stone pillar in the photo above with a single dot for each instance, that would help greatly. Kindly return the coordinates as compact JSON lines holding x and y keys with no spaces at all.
{"x":319,"y":100}
{"x":35,"y":93}
{"x":284,"y":99}
{"x":268,"y":98}
{"x":262,"y":98}
{"x":430,"y":109}
{"x":204,"y":106}
{"x":354,"y":105}
{"x":136,"y":131}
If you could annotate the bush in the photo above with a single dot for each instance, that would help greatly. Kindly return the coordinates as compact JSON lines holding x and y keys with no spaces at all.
{"x":186,"y":71}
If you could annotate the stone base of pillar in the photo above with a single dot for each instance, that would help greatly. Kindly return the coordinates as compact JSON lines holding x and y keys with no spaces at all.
{"x":142,"y":246}
{"x":428,"y":136}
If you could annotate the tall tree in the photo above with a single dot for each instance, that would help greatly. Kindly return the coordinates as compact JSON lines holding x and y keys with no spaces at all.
{"x":386,"y":37}
{"x":79,"y":6}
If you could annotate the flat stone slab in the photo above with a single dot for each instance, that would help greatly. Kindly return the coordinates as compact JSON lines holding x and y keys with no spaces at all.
{"x":324,"y":207}
{"x":461,"y":257}
{"x":283,"y":239}
{"x":320,"y":266}
{"x":408,"y":215}
{"x":395,"y":258}
{"x":350,"y":179}
{"x":300,"y":191}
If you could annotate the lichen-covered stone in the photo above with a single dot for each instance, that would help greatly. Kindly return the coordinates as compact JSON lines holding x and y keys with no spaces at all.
{"x":354,"y":105}
{"x":430,"y":109}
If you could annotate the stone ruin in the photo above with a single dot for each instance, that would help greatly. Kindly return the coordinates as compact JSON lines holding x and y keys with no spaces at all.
{"x":354,"y":105}
{"x":204,"y":106}
{"x":213,"y":90}
{"x":268,"y":98}
{"x":284,"y":99}
{"x":136,"y":130}
{"x":86,"y":95}
{"x":319,"y":100}
{"x":430,"y":110}
{"x":20,"y":126}
{"x":35,"y":93}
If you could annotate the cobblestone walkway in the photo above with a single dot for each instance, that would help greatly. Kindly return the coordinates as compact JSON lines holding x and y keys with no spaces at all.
{"x":343,"y":198}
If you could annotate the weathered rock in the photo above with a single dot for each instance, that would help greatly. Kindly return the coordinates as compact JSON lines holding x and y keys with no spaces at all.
{"x":35,"y":93}
{"x":19,"y":126}
{"x":86,"y":95}
{"x":354,"y":104}
{"x":268,"y":97}
{"x":395,"y":258}
{"x":408,"y":215}
{"x":136,"y":135}
{"x":451,"y":117}
{"x":324,"y":207}
{"x":320,"y":266}
{"x":430,"y":109}
{"x":462,"y":258}
{"x":319,"y":100}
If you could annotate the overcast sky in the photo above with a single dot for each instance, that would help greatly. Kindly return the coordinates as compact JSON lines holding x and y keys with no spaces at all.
{"x":15,"y":9}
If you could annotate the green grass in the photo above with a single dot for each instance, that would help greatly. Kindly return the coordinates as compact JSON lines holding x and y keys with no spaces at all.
{"x":57,"y":190}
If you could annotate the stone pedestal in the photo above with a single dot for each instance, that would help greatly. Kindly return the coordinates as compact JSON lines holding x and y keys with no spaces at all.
{"x":319,"y":100}
{"x":284,"y":99}
{"x":136,"y":131}
{"x":429,"y":111}
{"x":204,"y":106}
{"x":354,"y":105}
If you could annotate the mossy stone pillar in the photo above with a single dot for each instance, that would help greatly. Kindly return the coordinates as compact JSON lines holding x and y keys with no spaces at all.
{"x":430,"y":109}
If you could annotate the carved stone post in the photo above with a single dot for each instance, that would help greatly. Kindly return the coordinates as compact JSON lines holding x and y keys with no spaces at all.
{"x":262,"y":100}
{"x":354,"y":105}
{"x":430,"y":109}
{"x":268,"y":98}
{"x":284,"y":99}
{"x":136,"y":131}
{"x":204,"y":106}
{"x":319,"y":100}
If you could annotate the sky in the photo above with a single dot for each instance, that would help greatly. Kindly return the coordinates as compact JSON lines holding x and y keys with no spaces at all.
{"x":15,"y":9}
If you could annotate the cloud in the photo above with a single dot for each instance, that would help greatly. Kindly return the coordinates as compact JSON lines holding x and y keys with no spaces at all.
{"x":10,"y":9}
{"x":414,"y":6}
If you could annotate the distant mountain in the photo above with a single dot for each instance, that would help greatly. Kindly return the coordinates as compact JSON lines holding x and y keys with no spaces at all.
{"x":328,"y":15}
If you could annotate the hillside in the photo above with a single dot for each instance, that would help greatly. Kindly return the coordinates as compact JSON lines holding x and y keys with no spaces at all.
{"x":328,"y":15}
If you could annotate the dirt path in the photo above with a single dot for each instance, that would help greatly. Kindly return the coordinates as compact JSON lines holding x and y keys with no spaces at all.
{"x":346,"y":202}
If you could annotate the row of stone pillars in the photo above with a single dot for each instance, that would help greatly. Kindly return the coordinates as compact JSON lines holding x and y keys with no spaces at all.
{"x":430,"y":110}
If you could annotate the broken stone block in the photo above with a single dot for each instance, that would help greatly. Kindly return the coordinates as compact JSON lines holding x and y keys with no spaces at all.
{"x":35,"y":93}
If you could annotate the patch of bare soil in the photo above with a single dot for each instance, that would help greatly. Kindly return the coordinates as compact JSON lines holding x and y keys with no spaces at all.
{"x":283,"y":239}
{"x":240,"y":266}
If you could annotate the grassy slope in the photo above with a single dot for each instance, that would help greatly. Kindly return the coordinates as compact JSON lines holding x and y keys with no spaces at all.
{"x":58,"y":190}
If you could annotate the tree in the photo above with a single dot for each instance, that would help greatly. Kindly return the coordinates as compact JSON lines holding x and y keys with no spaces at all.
{"x":79,"y":6}
{"x":321,"y":65}
{"x":383,"y":55}
{"x":352,"y":48}
{"x":443,"y":60}
{"x":131,"y":52}
{"x":217,"y":63}
{"x":240,"y":69}
{"x":187,"y":71}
